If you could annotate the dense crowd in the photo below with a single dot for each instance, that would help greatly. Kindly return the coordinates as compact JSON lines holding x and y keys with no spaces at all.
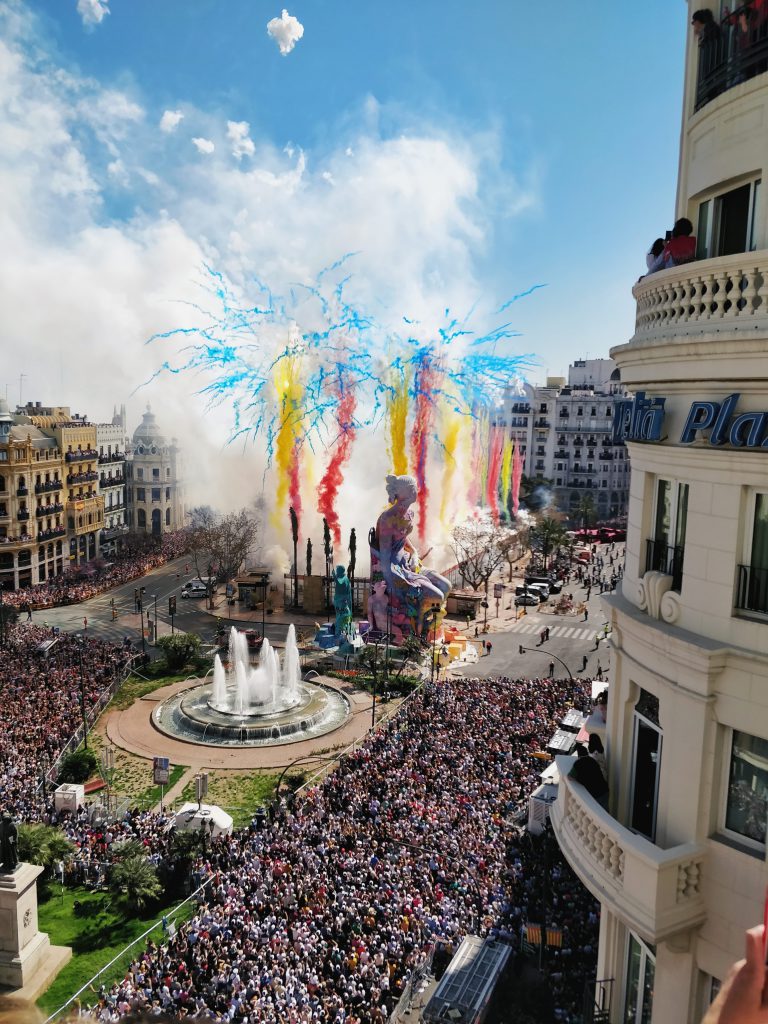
{"x":41,"y":693}
{"x":69,"y":589}
{"x":322,"y":914}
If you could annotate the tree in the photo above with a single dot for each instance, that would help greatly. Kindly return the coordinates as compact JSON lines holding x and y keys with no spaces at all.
{"x":585,"y":511}
{"x":478,"y":550}
{"x":178,"y":649}
{"x":134,"y":883}
{"x":295,"y":538}
{"x":43,"y":845}
{"x":352,"y":561}
{"x":220,"y":543}
{"x":328,"y":550}
{"x":78,"y":766}
{"x":309,"y":557}
{"x":547,"y":536}
{"x":512,"y":544}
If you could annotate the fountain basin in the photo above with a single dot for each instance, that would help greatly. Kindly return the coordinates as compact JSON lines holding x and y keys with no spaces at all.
{"x":190,"y":715}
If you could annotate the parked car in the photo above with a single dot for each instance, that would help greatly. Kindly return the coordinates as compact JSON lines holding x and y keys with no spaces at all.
{"x":194,"y":588}
{"x":526,"y":599}
{"x":541,"y":588}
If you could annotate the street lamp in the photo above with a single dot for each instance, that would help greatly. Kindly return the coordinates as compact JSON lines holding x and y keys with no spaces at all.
{"x":542,"y":650}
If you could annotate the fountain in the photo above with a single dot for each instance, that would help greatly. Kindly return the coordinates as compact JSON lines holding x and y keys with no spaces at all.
{"x":250,"y":706}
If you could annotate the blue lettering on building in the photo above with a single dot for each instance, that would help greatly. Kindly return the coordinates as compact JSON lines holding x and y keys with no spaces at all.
{"x":638,"y":418}
{"x":716,"y":423}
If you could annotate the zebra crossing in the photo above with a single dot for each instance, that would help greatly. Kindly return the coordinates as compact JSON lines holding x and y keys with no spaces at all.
{"x":566,"y":632}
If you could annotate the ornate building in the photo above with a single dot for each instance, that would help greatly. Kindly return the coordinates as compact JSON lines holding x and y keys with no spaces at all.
{"x":678,"y":858}
{"x":154,"y":486}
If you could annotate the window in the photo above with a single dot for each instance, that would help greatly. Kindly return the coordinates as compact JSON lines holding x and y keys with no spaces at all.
{"x":139,"y":474}
{"x":752,"y":591}
{"x":641,"y":967}
{"x":746,"y":803}
{"x":156,"y":493}
{"x":167,"y":517}
{"x":666,"y":549}
{"x":155,"y":474}
{"x":593,"y":411}
{"x":141,"y":519}
{"x":727,"y":223}
{"x":141,"y":494}
{"x":167,"y":474}
{"x":167,"y":493}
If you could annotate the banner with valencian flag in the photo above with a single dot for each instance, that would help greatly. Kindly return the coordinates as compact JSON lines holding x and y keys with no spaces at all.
{"x":532,"y":936}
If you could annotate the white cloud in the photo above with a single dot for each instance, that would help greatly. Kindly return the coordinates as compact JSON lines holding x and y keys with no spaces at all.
{"x":92,"y":12}
{"x":171,"y":120}
{"x":238,"y":135}
{"x":118,"y":172}
{"x":286,"y":31}
{"x":203,"y":145}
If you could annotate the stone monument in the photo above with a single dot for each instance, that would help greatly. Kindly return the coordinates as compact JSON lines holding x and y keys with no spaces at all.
{"x":28,"y":961}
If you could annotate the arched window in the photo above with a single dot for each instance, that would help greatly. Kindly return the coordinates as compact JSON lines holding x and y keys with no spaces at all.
{"x":157,"y":522}
{"x":141,"y":520}
{"x":167,"y":517}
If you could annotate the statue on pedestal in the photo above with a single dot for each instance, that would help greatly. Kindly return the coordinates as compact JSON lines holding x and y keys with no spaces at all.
{"x":342,"y":601}
{"x":416,"y":594}
{"x":9,"y":858}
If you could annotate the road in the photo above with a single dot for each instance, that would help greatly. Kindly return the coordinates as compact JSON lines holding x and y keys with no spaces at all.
{"x":571,"y":639}
{"x":159,"y":585}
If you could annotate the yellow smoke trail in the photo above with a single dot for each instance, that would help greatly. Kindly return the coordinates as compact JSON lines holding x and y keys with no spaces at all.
{"x":506,"y":472}
{"x":397,"y":419}
{"x":451,"y":427}
{"x":290,"y":396}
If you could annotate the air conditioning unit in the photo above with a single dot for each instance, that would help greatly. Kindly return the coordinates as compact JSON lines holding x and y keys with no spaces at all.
{"x":539,"y":804}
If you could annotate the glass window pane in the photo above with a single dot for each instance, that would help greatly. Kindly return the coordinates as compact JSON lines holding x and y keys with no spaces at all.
{"x":663,"y":512}
{"x":748,"y":787}
{"x":759,"y":559}
{"x":702,"y":232}
{"x":682,"y":515}
{"x":752,"y":240}
{"x":633,"y":981}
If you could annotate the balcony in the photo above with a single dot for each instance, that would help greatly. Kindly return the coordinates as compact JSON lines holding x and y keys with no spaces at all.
{"x":111,"y":481}
{"x":541,"y":424}
{"x":738,"y":53}
{"x":562,"y":454}
{"x":82,"y":478}
{"x":655,"y":892}
{"x":48,"y":485}
{"x":12,"y":542}
{"x":22,"y":492}
{"x":57,"y":531}
{"x":728,"y":294}
{"x":81,"y":455}
{"x":111,"y":457}
{"x":22,"y":515}
{"x":665,"y":558}
{"x":752,"y":589}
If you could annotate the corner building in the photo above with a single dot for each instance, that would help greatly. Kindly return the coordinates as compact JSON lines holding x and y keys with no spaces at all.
{"x":678,"y":861}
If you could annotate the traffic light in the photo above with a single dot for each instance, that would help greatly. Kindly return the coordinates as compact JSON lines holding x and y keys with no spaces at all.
{"x":521,"y":649}
{"x":172,"y":605}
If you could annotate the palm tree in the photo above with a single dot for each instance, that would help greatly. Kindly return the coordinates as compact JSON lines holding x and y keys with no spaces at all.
{"x":548,"y":535}
{"x":134,"y":882}
{"x":43,"y":845}
{"x":585,"y":511}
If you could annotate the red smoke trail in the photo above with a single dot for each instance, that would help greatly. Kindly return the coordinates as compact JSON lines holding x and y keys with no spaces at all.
{"x":494,"y":472}
{"x":426,"y":378}
{"x":294,"y":484}
{"x":334,"y":473}
{"x":517,"y":472}
{"x":473,"y":484}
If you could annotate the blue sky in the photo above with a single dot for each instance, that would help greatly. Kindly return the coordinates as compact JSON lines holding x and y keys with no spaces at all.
{"x":468,"y":152}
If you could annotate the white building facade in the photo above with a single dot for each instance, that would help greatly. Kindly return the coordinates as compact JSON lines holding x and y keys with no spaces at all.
{"x":678,"y":860}
{"x":110,"y":443}
{"x":154,"y":483}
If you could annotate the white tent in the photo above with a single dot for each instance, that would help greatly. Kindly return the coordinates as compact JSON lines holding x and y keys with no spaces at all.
{"x":192,"y":818}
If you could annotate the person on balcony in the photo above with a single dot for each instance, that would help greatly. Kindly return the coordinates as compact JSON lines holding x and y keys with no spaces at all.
{"x":711,"y":55}
{"x":654,"y":252}
{"x":587,"y":771}
{"x":679,"y":248}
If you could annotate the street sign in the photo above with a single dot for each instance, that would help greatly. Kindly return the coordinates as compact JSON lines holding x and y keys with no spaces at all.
{"x":498,"y":590}
{"x":161,"y":770}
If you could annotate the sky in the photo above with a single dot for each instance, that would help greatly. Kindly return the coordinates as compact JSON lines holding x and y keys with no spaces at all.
{"x":464,"y":153}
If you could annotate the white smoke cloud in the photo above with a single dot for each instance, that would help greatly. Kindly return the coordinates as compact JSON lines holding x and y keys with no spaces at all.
{"x":84,"y":289}
{"x":286,"y":31}
{"x":171,"y":120}
{"x":92,"y":12}
{"x":203,"y":145}
{"x":238,"y":135}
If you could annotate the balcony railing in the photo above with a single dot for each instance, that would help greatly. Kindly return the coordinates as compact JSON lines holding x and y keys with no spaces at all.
{"x":738,"y":53}
{"x":47,"y":510}
{"x":752,"y":589}
{"x":111,"y":457}
{"x":111,"y":481}
{"x":82,"y":478}
{"x":82,"y":455}
{"x":57,"y":531}
{"x":22,"y":492}
{"x":666,"y":558}
{"x":48,"y":485}
{"x":22,"y":515}
{"x":728,"y":293}
{"x":656,"y":892}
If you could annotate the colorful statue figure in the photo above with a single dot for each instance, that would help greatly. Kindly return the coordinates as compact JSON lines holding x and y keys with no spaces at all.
{"x":342,"y":601}
{"x":416,"y":593}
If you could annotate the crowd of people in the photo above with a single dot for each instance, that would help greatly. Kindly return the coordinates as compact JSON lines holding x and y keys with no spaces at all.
{"x":70,"y":588}
{"x":322,"y":913}
{"x":42,"y":696}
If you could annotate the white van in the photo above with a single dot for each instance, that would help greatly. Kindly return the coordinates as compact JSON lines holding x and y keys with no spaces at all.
{"x":194,"y":588}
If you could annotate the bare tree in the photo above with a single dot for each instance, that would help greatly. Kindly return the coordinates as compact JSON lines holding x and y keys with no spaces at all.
{"x":513,"y":543}
{"x":220,"y":543}
{"x":477,"y":545}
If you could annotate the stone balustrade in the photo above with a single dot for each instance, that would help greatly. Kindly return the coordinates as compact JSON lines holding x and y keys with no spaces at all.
{"x":656,"y":892}
{"x":729,"y":293}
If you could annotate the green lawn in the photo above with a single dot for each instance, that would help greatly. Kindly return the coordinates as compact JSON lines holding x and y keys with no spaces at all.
{"x":239,"y":793}
{"x":95,"y":940}
{"x":135,"y":687}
